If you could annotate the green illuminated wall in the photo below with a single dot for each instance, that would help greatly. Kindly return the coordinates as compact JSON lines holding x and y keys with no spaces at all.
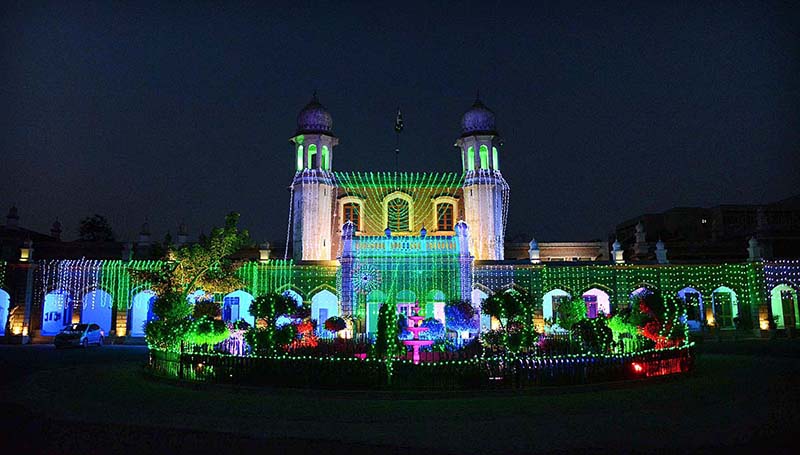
{"x":619,"y":281}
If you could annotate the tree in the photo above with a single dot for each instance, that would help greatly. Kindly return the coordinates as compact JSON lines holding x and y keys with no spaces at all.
{"x":571,"y":311}
{"x":204,"y":265}
{"x":506,"y":306}
{"x":460,"y":316}
{"x":267,"y":307}
{"x":95,"y":228}
{"x":387,"y":343}
{"x":435,"y":329}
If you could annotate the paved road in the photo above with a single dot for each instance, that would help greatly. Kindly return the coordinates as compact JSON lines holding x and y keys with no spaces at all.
{"x":98,"y":400}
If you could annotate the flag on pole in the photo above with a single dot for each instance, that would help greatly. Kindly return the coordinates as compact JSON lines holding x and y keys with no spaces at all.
{"x":398,"y":123}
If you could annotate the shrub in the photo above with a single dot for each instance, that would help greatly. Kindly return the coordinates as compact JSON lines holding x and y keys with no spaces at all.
{"x":460,"y":316}
{"x":435,"y":329}
{"x":205,"y":330}
{"x":335,"y":324}
{"x":571,"y":311}
{"x":594,"y":334}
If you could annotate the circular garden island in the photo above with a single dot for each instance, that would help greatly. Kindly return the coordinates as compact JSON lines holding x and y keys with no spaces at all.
{"x":275,"y":342}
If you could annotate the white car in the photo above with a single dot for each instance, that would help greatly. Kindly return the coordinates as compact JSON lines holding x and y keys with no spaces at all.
{"x":79,"y":335}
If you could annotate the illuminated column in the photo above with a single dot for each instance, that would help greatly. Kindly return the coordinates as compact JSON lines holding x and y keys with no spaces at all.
{"x":313,"y":187}
{"x":465,"y":260}
{"x":485,"y":190}
{"x":346,"y":263}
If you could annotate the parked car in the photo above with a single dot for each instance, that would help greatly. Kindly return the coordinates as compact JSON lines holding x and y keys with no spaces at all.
{"x":79,"y":335}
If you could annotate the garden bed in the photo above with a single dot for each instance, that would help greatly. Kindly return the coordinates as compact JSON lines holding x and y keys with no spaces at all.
{"x":494,"y":372}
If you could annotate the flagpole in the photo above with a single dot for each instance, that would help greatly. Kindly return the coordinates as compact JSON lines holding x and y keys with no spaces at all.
{"x":398,"y":127}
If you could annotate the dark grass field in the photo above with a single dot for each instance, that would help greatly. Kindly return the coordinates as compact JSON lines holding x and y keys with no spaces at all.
{"x":742,"y":397}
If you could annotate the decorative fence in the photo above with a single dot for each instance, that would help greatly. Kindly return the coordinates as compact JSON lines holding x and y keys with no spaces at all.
{"x":476,"y":373}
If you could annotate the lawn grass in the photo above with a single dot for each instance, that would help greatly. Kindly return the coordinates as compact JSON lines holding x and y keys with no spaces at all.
{"x":745,"y":401}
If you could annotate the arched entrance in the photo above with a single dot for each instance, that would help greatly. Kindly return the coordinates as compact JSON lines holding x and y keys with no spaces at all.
{"x":96,"y":308}
{"x":695,"y":313}
{"x":550,"y":302}
{"x":324,"y":304}
{"x":434,"y":305}
{"x":141,"y":311}
{"x":597,"y":303}
{"x":56,"y":312}
{"x":5,"y":303}
{"x":726,"y":306}
{"x":406,"y":301}
{"x":236,"y":306}
{"x":478,"y":296}
{"x":783,"y":300}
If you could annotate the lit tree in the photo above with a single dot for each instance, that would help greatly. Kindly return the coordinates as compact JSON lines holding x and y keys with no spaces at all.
{"x":204,"y":265}
{"x":460,"y":316}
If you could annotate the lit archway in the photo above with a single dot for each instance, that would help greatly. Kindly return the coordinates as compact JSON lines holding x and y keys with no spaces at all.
{"x":196,"y":296}
{"x":5,"y":304}
{"x":434,"y":305}
{"x":96,"y":309}
{"x":141,"y":311}
{"x":597,"y":302}
{"x":640,"y":293}
{"x":783,"y":300}
{"x":324,"y":304}
{"x":478,"y":296}
{"x":725,"y":306}
{"x":550,"y":302}
{"x":406,"y":300}
{"x":236,"y":306}
{"x":695,"y":310}
{"x":56,"y":312}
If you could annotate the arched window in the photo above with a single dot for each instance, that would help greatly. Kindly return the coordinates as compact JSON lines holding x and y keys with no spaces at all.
{"x":495,"y":162}
{"x":397,"y":212}
{"x":484,"y":152}
{"x":326,"y":158}
{"x":141,"y":312}
{"x":96,"y":309}
{"x":352,"y":211}
{"x":299,"y":157}
{"x":444,"y":219}
{"x":312,"y":153}
{"x":5,"y":303}
{"x":471,"y":159}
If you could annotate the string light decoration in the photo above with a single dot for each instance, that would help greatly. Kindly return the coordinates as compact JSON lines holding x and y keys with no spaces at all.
{"x":373,"y":189}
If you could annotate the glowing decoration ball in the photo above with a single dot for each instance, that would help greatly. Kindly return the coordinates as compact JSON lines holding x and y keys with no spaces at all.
{"x":366,"y":278}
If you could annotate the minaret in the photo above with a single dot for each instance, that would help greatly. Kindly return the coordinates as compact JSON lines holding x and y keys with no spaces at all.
{"x":485,"y":190}
{"x":313,"y":190}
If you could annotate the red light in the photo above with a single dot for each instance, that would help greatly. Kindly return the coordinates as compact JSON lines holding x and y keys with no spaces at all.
{"x":638,"y":368}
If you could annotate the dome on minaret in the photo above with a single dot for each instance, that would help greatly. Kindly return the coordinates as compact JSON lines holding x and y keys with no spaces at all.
{"x":314,"y":118}
{"x":479,"y":119}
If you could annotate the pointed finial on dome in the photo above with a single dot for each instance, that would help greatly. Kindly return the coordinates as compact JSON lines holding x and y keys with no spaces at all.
{"x":314,"y":118}
{"x":478,"y":119}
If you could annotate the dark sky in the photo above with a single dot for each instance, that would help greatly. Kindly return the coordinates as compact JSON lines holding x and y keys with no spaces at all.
{"x":182,"y":112}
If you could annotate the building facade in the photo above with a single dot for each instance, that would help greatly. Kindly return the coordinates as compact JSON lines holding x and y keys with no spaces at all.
{"x":360,"y":240}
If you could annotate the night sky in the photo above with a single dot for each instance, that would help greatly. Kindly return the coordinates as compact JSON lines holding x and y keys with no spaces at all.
{"x":182,"y":112}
